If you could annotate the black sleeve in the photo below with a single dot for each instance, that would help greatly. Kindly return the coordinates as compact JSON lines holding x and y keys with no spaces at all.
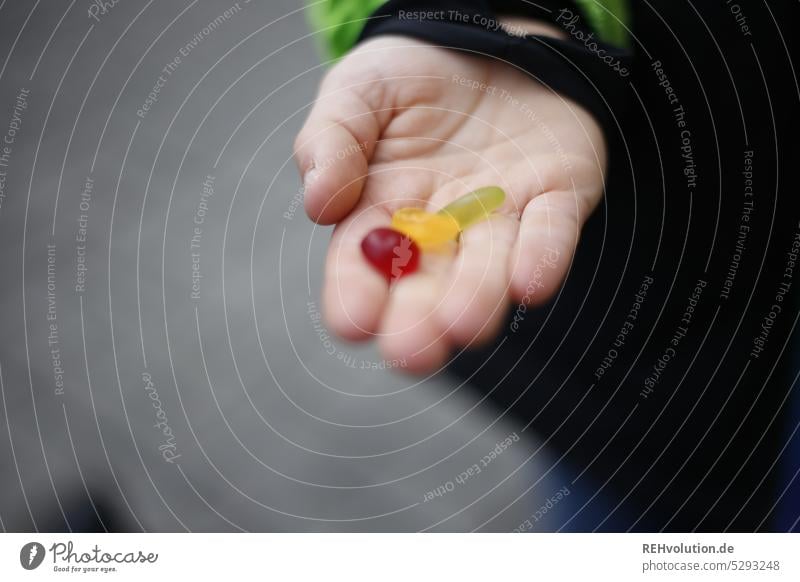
{"x":581,"y":67}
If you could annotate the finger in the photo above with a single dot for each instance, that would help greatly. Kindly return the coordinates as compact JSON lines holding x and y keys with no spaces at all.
{"x":548,"y":235}
{"x":354,"y":294}
{"x":333,"y":148}
{"x":475,"y":296}
{"x":410,"y":333}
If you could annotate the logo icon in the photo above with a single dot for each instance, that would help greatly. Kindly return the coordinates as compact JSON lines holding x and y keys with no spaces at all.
{"x":402,"y":256}
{"x":31,"y":555}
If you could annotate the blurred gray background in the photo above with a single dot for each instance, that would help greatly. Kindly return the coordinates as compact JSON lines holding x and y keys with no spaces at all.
{"x":163,"y":365}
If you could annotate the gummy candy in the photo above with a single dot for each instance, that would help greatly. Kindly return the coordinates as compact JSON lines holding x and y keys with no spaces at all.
{"x":474,"y":206}
{"x":392,"y":253}
{"x":427,"y":229}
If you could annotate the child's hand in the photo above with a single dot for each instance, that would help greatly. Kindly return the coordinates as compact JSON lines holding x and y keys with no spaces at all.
{"x":398,"y":123}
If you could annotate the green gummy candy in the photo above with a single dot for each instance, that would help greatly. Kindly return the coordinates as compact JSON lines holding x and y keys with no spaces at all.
{"x":475,"y":206}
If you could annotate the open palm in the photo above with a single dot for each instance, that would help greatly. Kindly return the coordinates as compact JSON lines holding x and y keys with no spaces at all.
{"x":399,"y":122}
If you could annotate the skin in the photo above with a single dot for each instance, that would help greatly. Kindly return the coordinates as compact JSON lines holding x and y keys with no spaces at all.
{"x":393,"y":126}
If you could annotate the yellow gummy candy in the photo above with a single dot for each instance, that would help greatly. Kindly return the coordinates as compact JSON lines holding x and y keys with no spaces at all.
{"x":427,"y":229}
{"x":474,"y":206}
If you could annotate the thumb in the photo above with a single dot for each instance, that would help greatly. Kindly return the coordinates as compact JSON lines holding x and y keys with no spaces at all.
{"x":334,"y":146}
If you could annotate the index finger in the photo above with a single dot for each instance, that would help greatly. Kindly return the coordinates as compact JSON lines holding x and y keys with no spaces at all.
{"x":333,"y":149}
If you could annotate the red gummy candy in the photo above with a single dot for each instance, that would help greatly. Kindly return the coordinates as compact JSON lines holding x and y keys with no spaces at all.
{"x":393,"y":254}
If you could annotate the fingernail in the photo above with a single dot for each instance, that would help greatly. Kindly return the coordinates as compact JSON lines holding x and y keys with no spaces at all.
{"x":310,"y":176}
